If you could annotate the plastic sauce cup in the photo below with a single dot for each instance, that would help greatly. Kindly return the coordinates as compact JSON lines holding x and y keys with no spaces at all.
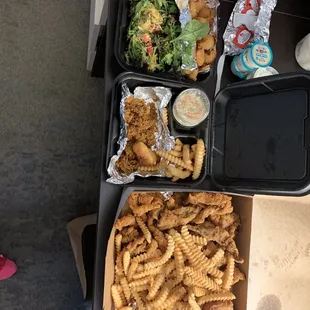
{"x":191,"y":107}
{"x":261,"y":72}
{"x":258,"y":55}
{"x":235,"y":71}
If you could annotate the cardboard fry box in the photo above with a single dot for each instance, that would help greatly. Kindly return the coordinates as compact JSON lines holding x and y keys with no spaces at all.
{"x":242,"y":205}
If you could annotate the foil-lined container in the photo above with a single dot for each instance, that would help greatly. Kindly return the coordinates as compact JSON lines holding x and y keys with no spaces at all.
{"x":261,"y":26}
{"x":190,"y":63}
{"x":160,"y":96}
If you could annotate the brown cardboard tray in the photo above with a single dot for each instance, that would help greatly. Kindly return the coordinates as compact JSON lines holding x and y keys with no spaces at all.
{"x":242,"y":206}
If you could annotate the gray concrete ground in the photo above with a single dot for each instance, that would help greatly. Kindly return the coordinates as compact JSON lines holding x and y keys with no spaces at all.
{"x":50,"y":135}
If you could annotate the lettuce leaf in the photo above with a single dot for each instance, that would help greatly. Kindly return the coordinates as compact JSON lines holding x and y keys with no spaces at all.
{"x":193,"y":31}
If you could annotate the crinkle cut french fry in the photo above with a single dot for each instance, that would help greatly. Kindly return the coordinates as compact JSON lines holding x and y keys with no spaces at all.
{"x":197,"y":257}
{"x":179,"y":173}
{"x":141,"y":281}
{"x":126,"y":261}
{"x":181,"y":243}
{"x":221,"y":296}
{"x":229,"y":273}
{"x":199,"y":291}
{"x":173,"y":159}
{"x":178,"y":148}
{"x":162,"y":164}
{"x":165,"y":257}
{"x":132,"y":269}
{"x":176,"y":153}
{"x":200,"y":279}
{"x":199,"y":156}
{"x":138,"y":299}
{"x":158,"y":281}
{"x":213,"y":271}
{"x":176,"y":294}
{"x":146,"y":273}
{"x":118,"y":244}
{"x":121,"y":293}
{"x":160,"y":298}
{"x":217,"y":280}
{"x":165,"y":116}
{"x":126,"y":288}
{"x":186,"y":154}
{"x":144,"y":229}
{"x":217,"y":257}
{"x":144,"y":287}
{"x":116,"y":297}
{"x":193,"y":303}
{"x":179,"y":262}
{"x":178,"y":142}
{"x":199,"y":240}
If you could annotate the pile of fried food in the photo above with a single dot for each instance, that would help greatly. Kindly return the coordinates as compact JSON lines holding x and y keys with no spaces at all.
{"x":176,"y":253}
{"x":180,"y":163}
{"x":205,"y":48}
{"x":141,"y":119}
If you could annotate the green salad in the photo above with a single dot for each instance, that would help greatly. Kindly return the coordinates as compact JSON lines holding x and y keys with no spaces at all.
{"x":155,"y":38}
{"x":153,"y":27}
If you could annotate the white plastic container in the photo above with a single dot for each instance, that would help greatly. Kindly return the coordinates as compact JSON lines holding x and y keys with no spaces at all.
{"x":302,"y":53}
{"x":191,"y":107}
{"x":261,"y":72}
{"x":234,"y":70}
{"x":258,"y":55}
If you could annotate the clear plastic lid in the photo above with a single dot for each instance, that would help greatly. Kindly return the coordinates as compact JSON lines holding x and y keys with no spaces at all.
{"x":191,"y":107}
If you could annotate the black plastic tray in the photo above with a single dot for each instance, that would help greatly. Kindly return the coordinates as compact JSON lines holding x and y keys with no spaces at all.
{"x":121,"y":45}
{"x":261,"y":136}
{"x":186,"y":135}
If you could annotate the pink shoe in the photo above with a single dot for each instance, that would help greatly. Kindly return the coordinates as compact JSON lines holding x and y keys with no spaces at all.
{"x":7,"y":268}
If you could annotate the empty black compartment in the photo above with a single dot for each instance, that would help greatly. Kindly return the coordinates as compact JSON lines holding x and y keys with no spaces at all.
{"x":260,"y":139}
{"x":121,"y":42}
{"x":189,"y":136}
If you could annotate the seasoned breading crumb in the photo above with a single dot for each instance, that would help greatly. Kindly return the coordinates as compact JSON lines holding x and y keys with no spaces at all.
{"x":141,"y":122}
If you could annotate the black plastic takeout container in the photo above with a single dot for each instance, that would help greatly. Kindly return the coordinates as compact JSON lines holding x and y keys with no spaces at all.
{"x":261,"y":136}
{"x":121,"y":42}
{"x":186,"y":135}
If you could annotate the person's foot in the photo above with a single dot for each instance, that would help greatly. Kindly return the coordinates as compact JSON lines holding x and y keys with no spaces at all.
{"x":7,"y":268}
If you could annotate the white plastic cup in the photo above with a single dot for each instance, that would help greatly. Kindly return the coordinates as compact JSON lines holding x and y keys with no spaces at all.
{"x":302,"y":53}
{"x":261,"y":72}
{"x":259,"y":55}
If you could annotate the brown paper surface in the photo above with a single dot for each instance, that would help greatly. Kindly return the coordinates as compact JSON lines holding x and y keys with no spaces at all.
{"x":279,"y":271}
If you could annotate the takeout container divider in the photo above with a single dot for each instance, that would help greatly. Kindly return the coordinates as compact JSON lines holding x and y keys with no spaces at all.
{"x":186,"y":135}
{"x":242,"y":206}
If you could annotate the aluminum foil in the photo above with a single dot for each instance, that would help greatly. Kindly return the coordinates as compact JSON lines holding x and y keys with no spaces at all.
{"x":189,"y":63}
{"x":160,"y":96}
{"x":261,"y":26}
